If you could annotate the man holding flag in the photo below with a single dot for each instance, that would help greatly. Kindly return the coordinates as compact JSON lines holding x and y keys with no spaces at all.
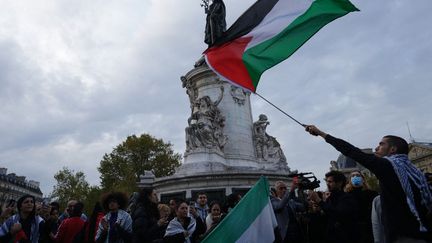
{"x":406,"y":200}
{"x":269,"y":32}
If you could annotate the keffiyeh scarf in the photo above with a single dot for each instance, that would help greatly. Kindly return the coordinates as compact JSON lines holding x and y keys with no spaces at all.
{"x":175,"y":227}
{"x":409,"y":175}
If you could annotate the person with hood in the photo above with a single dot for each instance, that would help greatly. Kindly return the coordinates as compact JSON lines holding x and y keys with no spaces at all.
{"x":24,"y":226}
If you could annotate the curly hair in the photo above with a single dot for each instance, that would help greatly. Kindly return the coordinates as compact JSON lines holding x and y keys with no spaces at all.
{"x":120,"y":197}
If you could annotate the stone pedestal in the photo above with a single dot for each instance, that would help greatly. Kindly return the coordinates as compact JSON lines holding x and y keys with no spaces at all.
{"x":215,"y":184}
{"x":225,"y":149}
{"x":234,"y":106}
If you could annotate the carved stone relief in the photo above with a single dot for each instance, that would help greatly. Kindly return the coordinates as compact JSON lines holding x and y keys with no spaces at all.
{"x":267,"y":148}
{"x":206,"y":124}
{"x":238,"y":94}
{"x":191,"y":91}
{"x":334,"y":165}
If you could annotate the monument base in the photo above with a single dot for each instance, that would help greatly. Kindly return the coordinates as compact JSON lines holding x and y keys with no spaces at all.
{"x":217,"y":185}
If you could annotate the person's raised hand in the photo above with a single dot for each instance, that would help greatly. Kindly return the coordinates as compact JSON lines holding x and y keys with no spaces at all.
{"x":313,"y":130}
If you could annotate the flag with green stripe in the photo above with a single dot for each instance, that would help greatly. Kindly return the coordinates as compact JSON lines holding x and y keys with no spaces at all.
{"x":269,"y":32}
{"x":252,"y":220}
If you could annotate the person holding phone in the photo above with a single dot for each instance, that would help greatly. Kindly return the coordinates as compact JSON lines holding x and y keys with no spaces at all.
{"x":8,"y":211}
{"x":25,"y":225}
{"x":184,"y":228}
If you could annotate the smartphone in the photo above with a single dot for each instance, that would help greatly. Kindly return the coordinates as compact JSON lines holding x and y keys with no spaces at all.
{"x":11,"y":203}
{"x":45,"y":202}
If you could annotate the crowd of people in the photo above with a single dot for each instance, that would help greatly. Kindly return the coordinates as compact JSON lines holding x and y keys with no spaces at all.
{"x":117,"y":218}
{"x":402,"y":212}
{"x":347,"y":212}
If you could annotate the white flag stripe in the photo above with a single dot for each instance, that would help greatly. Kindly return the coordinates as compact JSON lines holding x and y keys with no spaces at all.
{"x":281,"y":15}
{"x":261,"y":230}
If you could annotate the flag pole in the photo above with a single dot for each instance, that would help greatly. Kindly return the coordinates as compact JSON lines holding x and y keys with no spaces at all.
{"x":286,"y":114}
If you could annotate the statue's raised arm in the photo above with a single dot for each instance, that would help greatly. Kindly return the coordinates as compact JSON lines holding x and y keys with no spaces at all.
{"x":215,"y":22}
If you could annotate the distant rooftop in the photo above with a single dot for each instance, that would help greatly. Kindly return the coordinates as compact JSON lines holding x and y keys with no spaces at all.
{"x":19,"y":180}
{"x":344,"y":162}
{"x":423,"y":143}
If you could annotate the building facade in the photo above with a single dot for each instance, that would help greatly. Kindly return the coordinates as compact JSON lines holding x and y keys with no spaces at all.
{"x":421,"y":156}
{"x":419,"y":153}
{"x":13,"y":186}
{"x":347,"y":165}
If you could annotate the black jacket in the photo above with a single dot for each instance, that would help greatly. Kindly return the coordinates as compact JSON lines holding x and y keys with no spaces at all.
{"x":364,"y":199}
{"x":341,"y":210}
{"x":398,"y":221}
{"x":144,"y":226}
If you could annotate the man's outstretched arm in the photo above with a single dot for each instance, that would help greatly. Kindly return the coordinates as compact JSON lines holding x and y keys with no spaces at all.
{"x":370,"y":161}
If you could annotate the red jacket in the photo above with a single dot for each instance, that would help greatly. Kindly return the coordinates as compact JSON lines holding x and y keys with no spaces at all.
{"x":68,"y":229}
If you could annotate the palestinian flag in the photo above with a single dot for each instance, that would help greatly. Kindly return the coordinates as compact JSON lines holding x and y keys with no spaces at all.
{"x":266,"y":34}
{"x":252,"y":220}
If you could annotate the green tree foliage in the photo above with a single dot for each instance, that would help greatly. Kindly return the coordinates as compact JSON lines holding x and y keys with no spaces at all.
{"x":70,"y":185}
{"x":93,"y":196}
{"x":120,"y":170}
{"x":73,"y":185}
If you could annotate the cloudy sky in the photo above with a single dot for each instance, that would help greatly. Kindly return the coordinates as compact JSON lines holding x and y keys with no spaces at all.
{"x":78,"y":77}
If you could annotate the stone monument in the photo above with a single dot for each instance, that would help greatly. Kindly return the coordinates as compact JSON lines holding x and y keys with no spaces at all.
{"x":225,"y":150}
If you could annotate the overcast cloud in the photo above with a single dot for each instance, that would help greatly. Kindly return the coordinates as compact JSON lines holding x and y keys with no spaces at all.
{"x":78,"y":77}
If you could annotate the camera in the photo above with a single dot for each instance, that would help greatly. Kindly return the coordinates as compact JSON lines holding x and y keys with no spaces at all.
{"x":306,"y":180}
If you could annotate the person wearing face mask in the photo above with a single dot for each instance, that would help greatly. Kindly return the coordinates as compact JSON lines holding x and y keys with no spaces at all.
{"x":359,"y":189}
{"x":406,"y":199}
